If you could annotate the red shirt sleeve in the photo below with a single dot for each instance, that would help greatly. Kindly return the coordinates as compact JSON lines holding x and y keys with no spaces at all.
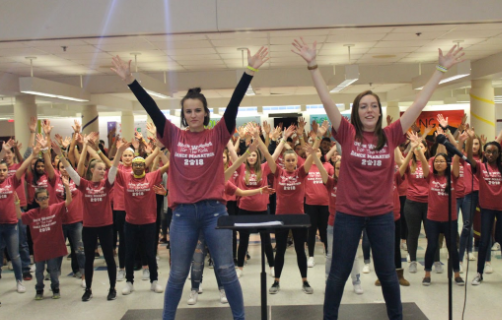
{"x":230,"y":188}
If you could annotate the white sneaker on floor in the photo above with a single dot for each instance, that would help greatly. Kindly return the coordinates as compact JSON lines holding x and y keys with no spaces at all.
{"x":311,"y":262}
{"x":155,"y":287}
{"x":192,"y":299}
{"x":366,"y":268}
{"x":128,"y":288}
{"x":272,"y":272}
{"x":82,"y":284}
{"x":471,"y":256}
{"x":121,"y":275}
{"x":146,"y":274}
{"x":408,"y":259}
{"x":461,"y":267}
{"x":438,"y":266}
{"x":240,"y":273}
{"x":404,"y":246}
{"x":477,"y":280}
{"x":20,"y":288}
{"x":413,"y":267}
{"x":358,"y":289}
{"x":200,"y":288}
{"x":488,"y":268}
{"x":223,"y":296}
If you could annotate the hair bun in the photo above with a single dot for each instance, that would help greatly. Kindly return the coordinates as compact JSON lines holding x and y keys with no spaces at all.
{"x":194,"y":90}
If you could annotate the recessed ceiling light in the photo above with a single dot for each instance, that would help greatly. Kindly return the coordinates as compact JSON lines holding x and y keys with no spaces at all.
{"x":384,"y":56}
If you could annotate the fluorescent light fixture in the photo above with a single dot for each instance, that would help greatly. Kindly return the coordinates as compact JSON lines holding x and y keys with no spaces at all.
{"x":156,"y":94}
{"x":250,"y":91}
{"x":351,"y":76}
{"x":52,"y":89}
{"x":151,"y":85}
{"x":458,"y":71}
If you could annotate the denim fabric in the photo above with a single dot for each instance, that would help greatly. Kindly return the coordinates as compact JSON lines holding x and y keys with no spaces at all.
{"x":468,"y":205}
{"x":354,"y":274}
{"x":74,"y":232}
{"x":52,"y":269}
{"x":9,"y":236}
{"x":24,"y":249}
{"x":198,"y":264}
{"x":434,"y":228}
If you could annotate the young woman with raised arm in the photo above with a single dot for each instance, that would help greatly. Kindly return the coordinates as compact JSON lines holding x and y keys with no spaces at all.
{"x":366,"y":176}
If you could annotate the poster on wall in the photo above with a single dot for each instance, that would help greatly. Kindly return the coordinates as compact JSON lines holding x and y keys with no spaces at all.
{"x":429,"y":118}
{"x":112,"y":127}
{"x":140,"y":126}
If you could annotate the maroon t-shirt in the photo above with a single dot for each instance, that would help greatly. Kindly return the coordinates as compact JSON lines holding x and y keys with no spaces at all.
{"x":290,"y":190}
{"x":257,"y":202}
{"x":7,"y":207}
{"x":366,"y":174}
{"x":418,"y":187}
{"x":42,"y":182}
{"x":232,"y":179}
{"x":97,"y":202}
{"x":118,"y":190}
{"x":75,"y":211}
{"x":490,"y":186}
{"x":330,"y":186}
{"x":315,"y":191}
{"x":438,"y":198}
{"x":46,"y":227}
{"x":20,"y":190}
{"x":196,"y":167}
{"x":230,"y":188}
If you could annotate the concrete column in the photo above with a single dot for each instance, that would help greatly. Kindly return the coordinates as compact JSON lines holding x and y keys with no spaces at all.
{"x":127,"y":125}
{"x":24,"y":109}
{"x":392,"y":110}
{"x":90,"y":120}
{"x":483,"y":108}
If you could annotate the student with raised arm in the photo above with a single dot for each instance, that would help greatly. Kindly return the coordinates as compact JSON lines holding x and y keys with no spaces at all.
{"x":46,"y":225}
{"x":196,"y":182}
{"x":97,"y":217}
{"x":366,"y":175}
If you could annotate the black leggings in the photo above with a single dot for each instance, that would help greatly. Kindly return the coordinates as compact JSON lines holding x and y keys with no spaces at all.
{"x":404,"y":227}
{"x":244,"y":241}
{"x":232,"y":211}
{"x":90,"y":239}
{"x":281,"y":239}
{"x":397,"y":245}
{"x":158,"y":222}
{"x":118,"y":227}
{"x":318,"y":220}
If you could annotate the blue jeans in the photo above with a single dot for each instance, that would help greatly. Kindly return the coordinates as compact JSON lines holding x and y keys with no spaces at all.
{"x":52,"y":269}
{"x":74,"y":232}
{"x":9,"y":236}
{"x":354,"y":274}
{"x":434,"y":228}
{"x":346,"y":235}
{"x":468,"y":204}
{"x":487,"y":220}
{"x":24,"y":249}
{"x":187,"y":223}
{"x":366,"y":248}
{"x":198,"y":264}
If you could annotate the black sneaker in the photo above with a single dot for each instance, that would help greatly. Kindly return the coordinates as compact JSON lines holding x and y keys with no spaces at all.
{"x":39,"y":295}
{"x":112,"y":294}
{"x":168,"y":245}
{"x":210,"y":263}
{"x":56,"y":294}
{"x":459,"y":281}
{"x":274,"y":288}
{"x":307,"y":288}
{"x":427,"y":281}
{"x":27,"y":276}
{"x":162,"y":240}
{"x":248,"y":256}
{"x":87,"y":295}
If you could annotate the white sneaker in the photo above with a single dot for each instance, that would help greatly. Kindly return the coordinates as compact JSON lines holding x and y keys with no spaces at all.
{"x":192,"y":299}
{"x":33,"y":268}
{"x":488,"y":268}
{"x":408,"y":259}
{"x":20,"y":287}
{"x":311,"y":262}
{"x":82,"y":284}
{"x":438,"y":266}
{"x":121,"y":275}
{"x":358,"y":289}
{"x":223,"y":296}
{"x":272,"y":272}
{"x":146,"y":274}
{"x":240,"y":273}
{"x":200,"y":288}
{"x":413,"y":267}
{"x":155,"y":287}
{"x":128,"y":288}
{"x":472,"y":257}
{"x":404,"y":246}
{"x":477,"y":280}
{"x":366,"y":268}
{"x":461,"y":267}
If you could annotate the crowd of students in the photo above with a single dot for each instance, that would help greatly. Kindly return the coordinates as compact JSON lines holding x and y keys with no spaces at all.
{"x":388,"y":183}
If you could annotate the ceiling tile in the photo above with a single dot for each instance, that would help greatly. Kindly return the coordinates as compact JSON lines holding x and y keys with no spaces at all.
{"x":69,"y":49}
{"x":387,"y":50}
{"x":142,"y":53}
{"x":299,"y":33}
{"x":189,"y":51}
{"x":176,"y":37}
{"x":479,"y":26}
{"x":55,"y":43}
{"x":471,"y":34}
{"x":289,"y":40}
{"x":391,"y":44}
{"x":281,"y":47}
{"x":201,"y":62}
{"x":12,"y":52}
{"x":362,"y":30}
{"x":234,"y":35}
{"x":410,"y":36}
{"x":112,"y":40}
{"x":130,"y":47}
{"x":12,"y":44}
{"x":236,"y":55}
{"x":424,"y":28}
{"x":355,"y":37}
{"x":196,"y":57}
{"x":253,"y":49}
{"x":356,"y":45}
{"x":183,"y":44}
{"x":240,"y":42}
{"x":82,"y":56}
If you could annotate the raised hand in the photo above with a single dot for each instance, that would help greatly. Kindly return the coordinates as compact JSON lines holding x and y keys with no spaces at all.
{"x":76,"y":128}
{"x":443,"y":122}
{"x":308,"y":53}
{"x":160,"y":190}
{"x":123,"y":146}
{"x":276,"y":133}
{"x":315,"y":126}
{"x":463,"y":137}
{"x":32,"y":125}
{"x":453,"y":57}
{"x":439,"y":131}
{"x":483,"y":139}
{"x":36,"y":149}
{"x":266,"y":128}
{"x":18,"y":145}
{"x":415,"y":128}
{"x":427,"y":130}
{"x":55,"y":147}
{"x":321,"y":131}
{"x":66,"y":182}
{"x":122,"y":69}
{"x":151,"y":128}
{"x":138,"y":135}
{"x":389,"y":120}
{"x":267,"y":190}
{"x":301,"y":126}
{"x":258,"y":59}
{"x":414,"y":140}
{"x":134,"y":143}
{"x":470,"y":132}
{"x":309,"y":149}
{"x":41,"y":141}
{"x":58,"y":138}
{"x":79,"y":139}
{"x":6,"y":146}
{"x":289,"y":131}
{"x":119,"y":143}
{"x":66,"y":142}
{"x":46,"y":126}
{"x":253,"y":146}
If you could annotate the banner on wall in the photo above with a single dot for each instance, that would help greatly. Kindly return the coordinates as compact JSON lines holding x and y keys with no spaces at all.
{"x":112,"y":126}
{"x":429,"y":118}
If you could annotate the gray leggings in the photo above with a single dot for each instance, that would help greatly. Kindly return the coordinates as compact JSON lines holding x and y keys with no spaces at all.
{"x":415,"y":214}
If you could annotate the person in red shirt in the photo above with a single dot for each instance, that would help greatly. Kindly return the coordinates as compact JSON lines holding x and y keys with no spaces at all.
{"x":290,"y":189}
{"x":141,"y":215}
{"x":366,"y":175}
{"x":196,"y":181}
{"x":9,"y":236}
{"x":489,"y":174}
{"x":437,"y":213}
{"x":97,"y":216}
{"x":49,"y":245}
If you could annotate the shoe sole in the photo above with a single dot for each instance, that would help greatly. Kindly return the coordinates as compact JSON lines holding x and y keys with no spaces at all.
{"x":426,"y":284}
{"x":56,"y":297}
{"x":274,"y":292}
{"x":111,"y":298}
{"x":87,"y":299}
{"x":39,"y":298}
{"x":460,"y":284}
{"x":307,"y":292}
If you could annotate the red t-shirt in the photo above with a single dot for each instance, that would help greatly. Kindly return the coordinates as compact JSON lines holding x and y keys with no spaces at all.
{"x":42,"y":182}
{"x":232,"y":179}
{"x":469,"y":185}
{"x":196,"y":171}
{"x":20,"y":190}
{"x":331,"y":188}
{"x":461,"y":182}
{"x":315,"y":191}
{"x":118,"y":190}
{"x":7,"y":207}
{"x":290,"y":190}
{"x":230,"y":188}
{"x":140,"y":200}
{"x":365,"y":174}
{"x":280,"y":161}
{"x":75,"y":211}
{"x":257,"y":202}
{"x":438,"y":198}
{"x":418,"y":188}
{"x":46,"y":229}
{"x":490,"y":186}
{"x":402,"y":188}
{"x":395,"y":195}
{"x":97,"y":202}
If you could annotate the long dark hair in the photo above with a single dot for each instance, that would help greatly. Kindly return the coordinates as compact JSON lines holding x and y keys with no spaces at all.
{"x":194,"y":93}
{"x":446,"y":171}
{"x":499,"y":158}
{"x":37,"y":176}
{"x":356,"y":121}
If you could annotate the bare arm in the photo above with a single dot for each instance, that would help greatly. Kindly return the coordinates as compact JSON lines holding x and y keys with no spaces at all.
{"x":247,"y":193}
{"x":66,"y":184}
{"x":331,"y":151}
{"x":398,"y":157}
{"x":468,"y":146}
{"x":423,"y":160}
{"x":17,"y":204}
{"x":322,"y":170}
{"x":230,"y":171}
{"x":231,"y":151}
{"x":46,"y":151}
{"x":81,"y":161}
{"x":455,"y":166}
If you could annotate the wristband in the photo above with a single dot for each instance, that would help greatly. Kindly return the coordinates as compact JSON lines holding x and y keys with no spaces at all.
{"x":247,"y":151}
{"x":284,"y":140}
{"x":17,"y":202}
{"x":99,"y":151}
{"x":252,"y":69}
{"x":312,"y":68}
{"x":318,"y":138}
{"x":300,"y":136}
{"x":441,"y":69}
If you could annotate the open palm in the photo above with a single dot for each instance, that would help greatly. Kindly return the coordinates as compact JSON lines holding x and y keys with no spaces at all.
{"x":453,"y":57}
{"x":258,"y":59}
{"x":308,"y":53}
